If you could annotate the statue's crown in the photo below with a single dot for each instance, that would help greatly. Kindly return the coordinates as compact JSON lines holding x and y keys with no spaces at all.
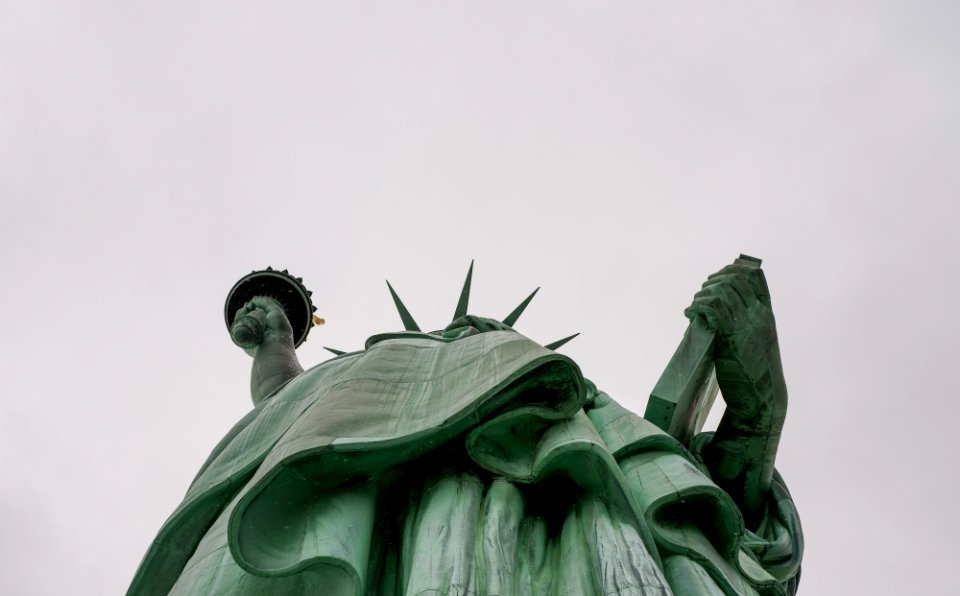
{"x":463,"y":320}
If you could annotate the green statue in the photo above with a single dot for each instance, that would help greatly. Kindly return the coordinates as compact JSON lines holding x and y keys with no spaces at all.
{"x":475,"y":461}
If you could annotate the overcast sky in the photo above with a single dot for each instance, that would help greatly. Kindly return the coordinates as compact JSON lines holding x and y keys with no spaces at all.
{"x":613,"y":153}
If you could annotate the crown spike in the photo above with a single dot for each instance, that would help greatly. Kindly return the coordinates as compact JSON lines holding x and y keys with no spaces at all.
{"x":560,"y":342}
{"x":512,"y":317}
{"x":408,"y":323}
{"x":334,"y":351}
{"x":464,"y":295}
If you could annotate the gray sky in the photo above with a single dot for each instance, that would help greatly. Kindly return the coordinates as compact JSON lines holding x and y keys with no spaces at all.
{"x":612,"y":153}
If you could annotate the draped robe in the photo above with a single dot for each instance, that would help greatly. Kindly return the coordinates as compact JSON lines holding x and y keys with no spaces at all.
{"x":482,"y":464}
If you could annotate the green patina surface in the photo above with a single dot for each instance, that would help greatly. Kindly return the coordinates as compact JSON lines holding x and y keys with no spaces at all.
{"x":476,"y":461}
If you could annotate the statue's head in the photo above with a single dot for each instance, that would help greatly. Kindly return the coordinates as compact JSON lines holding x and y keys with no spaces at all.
{"x":471,"y":325}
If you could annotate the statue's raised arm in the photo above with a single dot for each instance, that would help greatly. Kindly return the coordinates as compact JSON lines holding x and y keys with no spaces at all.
{"x":262,"y":329}
{"x":269,"y":314}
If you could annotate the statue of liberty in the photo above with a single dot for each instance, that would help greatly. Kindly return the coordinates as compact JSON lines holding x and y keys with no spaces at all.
{"x":475,"y":461}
